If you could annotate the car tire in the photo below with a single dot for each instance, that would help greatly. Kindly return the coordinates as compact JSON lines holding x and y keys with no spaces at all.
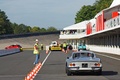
{"x":49,"y":48}
{"x":99,"y":72}
{"x":66,"y":69}
{"x":68,"y":73}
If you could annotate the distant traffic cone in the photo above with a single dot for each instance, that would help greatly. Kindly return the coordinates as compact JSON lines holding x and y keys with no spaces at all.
{"x":25,"y":78}
{"x":74,"y":50}
{"x":63,"y":50}
{"x":68,"y":49}
{"x":47,"y":51}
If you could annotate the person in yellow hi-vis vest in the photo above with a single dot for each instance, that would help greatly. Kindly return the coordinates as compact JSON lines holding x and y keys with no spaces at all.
{"x":36,"y":51}
{"x":65,"y":47}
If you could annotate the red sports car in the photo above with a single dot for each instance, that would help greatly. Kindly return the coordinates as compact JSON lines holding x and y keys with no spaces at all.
{"x":14,"y":47}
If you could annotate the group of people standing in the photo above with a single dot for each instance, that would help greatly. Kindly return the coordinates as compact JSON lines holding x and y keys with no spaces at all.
{"x":66,"y":47}
{"x":37,"y":49}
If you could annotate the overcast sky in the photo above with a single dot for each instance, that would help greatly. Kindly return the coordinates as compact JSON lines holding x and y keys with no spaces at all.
{"x":43,"y":13}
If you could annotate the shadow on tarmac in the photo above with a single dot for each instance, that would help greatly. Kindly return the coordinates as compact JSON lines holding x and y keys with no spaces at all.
{"x":104,"y":73}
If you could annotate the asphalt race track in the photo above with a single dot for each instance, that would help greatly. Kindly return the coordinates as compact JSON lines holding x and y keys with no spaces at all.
{"x":17,"y":66}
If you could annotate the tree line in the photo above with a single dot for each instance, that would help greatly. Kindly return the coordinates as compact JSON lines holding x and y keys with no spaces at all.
{"x":7,"y":27}
{"x":87,"y":12}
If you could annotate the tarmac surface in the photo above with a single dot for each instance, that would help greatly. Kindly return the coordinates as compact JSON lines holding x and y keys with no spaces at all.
{"x":17,"y":66}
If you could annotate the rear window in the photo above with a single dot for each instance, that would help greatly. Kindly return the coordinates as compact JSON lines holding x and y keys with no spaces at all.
{"x":78,"y":55}
{"x":86,"y":55}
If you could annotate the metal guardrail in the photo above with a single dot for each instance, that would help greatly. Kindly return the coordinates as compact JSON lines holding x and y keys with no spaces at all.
{"x":26,"y":34}
{"x":8,"y":52}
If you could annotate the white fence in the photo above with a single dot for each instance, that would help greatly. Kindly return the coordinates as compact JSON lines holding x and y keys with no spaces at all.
{"x":112,"y":22}
{"x":105,"y":49}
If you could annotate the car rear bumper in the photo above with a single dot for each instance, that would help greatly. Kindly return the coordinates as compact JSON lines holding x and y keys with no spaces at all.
{"x":78,"y":69}
{"x":55,"y":48}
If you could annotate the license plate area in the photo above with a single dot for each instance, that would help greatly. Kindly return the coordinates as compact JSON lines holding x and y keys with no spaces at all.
{"x":74,"y":68}
{"x":84,"y":65}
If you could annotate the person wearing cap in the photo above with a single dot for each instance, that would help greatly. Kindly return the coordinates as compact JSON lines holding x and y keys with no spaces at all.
{"x":36,"y":51}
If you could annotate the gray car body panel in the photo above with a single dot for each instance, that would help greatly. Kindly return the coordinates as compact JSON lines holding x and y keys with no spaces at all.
{"x":80,"y":61}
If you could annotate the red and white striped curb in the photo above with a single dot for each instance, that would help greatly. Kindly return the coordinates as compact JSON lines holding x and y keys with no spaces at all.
{"x":34,"y":72}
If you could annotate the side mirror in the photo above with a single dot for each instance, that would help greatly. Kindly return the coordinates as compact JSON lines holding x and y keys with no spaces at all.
{"x":67,"y":57}
{"x":92,"y":55}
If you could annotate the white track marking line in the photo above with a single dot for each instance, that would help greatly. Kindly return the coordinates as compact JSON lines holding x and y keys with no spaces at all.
{"x":45,"y":58}
{"x":108,"y":56}
{"x":37,"y":69}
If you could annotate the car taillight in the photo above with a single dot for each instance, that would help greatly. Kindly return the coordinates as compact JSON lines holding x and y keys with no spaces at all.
{"x":97,"y":64}
{"x":71,"y":64}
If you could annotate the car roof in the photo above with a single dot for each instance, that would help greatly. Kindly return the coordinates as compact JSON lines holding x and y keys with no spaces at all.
{"x":83,"y":51}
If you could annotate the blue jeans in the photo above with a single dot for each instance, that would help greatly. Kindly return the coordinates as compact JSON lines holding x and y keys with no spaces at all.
{"x":37,"y":58}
